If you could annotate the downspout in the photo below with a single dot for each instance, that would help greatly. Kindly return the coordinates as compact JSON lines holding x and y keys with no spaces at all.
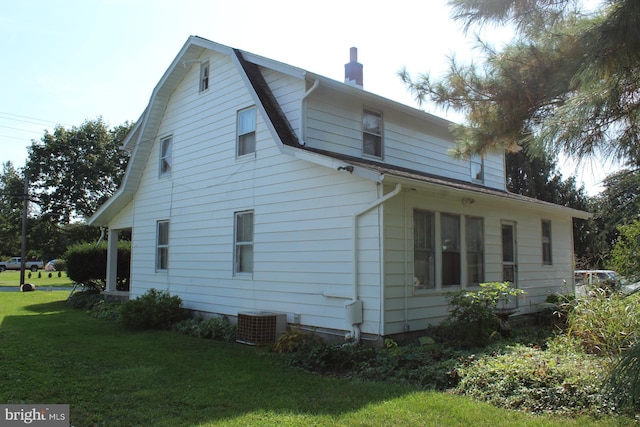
{"x":303,"y":114}
{"x":354,"y":284}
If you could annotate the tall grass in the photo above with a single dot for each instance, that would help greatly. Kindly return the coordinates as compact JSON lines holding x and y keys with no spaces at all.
{"x":50,"y":353}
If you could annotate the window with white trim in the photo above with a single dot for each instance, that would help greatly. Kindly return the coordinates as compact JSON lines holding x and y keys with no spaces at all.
{"x":474,"y":231}
{"x":457,"y":259}
{"x":547,"y":258}
{"x":372,"y":134}
{"x":450,"y":243}
{"x":246,"y":131}
{"x":165,"y":155}
{"x":162,"y":245}
{"x":204,"y":76}
{"x":243,"y":243}
{"x":424,"y":270}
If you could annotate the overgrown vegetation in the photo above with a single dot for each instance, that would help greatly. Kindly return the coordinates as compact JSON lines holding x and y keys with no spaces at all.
{"x":563,"y":365}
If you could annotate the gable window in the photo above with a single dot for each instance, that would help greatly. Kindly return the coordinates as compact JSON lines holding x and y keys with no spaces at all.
{"x":424,"y":274}
{"x":546,"y":243}
{"x":246,"y":131}
{"x":477,"y":169}
{"x":204,"y":76}
{"x":372,"y":134}
{"x":165,"y":156}
{"x":474,"y":230}
{"x":162,"y":245}
{"x":243,"y":260}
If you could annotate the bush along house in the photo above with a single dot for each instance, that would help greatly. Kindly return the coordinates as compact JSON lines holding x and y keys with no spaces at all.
{"x":256,"y":189}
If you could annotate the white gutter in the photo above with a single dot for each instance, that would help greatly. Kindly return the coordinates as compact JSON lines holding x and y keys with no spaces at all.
{"x":354,"y":278}
{"x":303,"y":114}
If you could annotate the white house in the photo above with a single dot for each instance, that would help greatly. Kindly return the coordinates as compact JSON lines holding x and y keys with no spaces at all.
{"x":256,"y":186}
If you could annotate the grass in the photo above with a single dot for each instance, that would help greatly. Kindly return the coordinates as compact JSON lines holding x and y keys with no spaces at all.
{"x":50,"y":353}
{"x":11,"y":278}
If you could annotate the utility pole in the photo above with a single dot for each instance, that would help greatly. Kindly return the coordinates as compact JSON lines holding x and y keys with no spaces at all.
{"x":25,"y":208}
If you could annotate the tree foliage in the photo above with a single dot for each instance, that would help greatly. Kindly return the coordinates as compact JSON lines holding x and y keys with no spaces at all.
{"x":73,"y":171}
{"x":567,"y":82}
{"x":11,"y":203}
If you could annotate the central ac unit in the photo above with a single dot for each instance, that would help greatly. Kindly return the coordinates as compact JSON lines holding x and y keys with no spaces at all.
{"x":260,"y":328}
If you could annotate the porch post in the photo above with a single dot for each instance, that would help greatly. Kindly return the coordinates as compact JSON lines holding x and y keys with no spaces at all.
{"x":112,"y":260}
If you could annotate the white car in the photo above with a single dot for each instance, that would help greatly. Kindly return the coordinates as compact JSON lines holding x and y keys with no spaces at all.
{"x":586,"y":280}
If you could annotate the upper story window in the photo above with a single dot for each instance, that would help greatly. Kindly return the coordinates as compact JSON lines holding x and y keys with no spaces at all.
{"x":162,"y":245}
{"x":477,"y":169}
{"x":246,"y":131}
{"x":204,"y":76}
{"x":165,"y":155}
{"x":547,"y":259}
{"x":372,"y":134}
{"x":243,"y":242}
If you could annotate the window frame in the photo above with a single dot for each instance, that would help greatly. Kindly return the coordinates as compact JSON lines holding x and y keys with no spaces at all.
{"x":205,"y":73}
{"x":162,"y":247}
{"x":368,"y":133}
{"x":240,"y":141}
{"x":426,"y":253}
{"x":469,"y":261}
{"x":476,"y":169}
{"x":240,"y":246}
{"x":166,"y":156}
{"x":546,"y":242}
{"x":471,"y":251}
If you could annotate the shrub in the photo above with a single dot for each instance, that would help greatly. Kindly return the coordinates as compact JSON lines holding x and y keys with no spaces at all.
{"x":295,"y":340}
{"x":213,"y":328}
{"x":605,"y":324}
{"x":85,"y":300}
{"x":86,"y":263}
{"x":623,"y":381}
{"x":538,"y":381}
{"x":472,"y":317}
{"x":153,"y":310}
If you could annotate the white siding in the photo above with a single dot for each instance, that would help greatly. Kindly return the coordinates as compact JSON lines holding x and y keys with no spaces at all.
{"x":409,"y":309}
{"x":335,"y":123}
{"x":302,"y":212}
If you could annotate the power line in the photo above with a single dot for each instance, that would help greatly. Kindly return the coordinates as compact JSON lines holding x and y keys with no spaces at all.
{"x":32,"y":118}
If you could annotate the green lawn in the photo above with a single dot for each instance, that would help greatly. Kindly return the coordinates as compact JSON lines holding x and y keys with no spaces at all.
{"x":11,"y":278}
{"x":50,"y":353}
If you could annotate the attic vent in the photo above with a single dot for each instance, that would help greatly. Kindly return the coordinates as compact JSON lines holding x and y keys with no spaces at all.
{"x":260,"y":328}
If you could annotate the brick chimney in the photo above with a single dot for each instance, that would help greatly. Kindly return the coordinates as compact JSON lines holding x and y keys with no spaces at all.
{"x":353,"y":70}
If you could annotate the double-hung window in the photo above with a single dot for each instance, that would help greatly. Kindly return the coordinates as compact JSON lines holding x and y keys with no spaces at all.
{"x":547,"y":258}
{"x":243,"y":242}
{"x":162,"y":245}
{"x":165,"y":155}
{"x":424,"y":275}
{"x":450,"y":242}
{"x":246,"y":131}
{"x":474,"y":231}
{"x":448,"y":250}
{"x":204,"y":76}
{"x":372,"y":134}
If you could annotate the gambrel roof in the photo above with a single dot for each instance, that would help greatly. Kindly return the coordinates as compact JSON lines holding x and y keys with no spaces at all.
{"x":140,"y":140}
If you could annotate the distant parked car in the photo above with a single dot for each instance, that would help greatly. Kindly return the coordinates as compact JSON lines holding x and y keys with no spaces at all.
{"x":587,"y":280}
{"x":16,"y":262}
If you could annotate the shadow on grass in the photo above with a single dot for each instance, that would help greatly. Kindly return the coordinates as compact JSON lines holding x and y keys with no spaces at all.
{"x":109,"y":376}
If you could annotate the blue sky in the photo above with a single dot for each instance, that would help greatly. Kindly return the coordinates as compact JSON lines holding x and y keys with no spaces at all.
{"x":66,"y":61}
